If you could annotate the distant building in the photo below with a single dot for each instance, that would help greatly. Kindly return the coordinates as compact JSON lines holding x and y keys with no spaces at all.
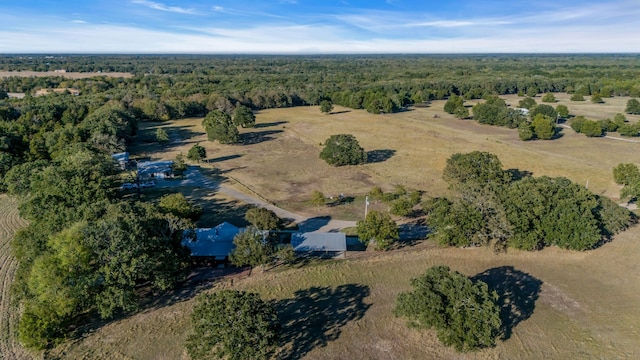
{"x":155,"y":169}
{"x":62,"y":71}
{"x":122,"y":159}
{"x":524,"y":111}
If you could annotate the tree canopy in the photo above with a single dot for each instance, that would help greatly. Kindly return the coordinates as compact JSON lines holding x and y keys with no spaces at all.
{"x":633,"y":107}
{"x":263,"y":219}
{"x":220,"y":127}
{"x":465,"y":314}
{"x":378,"y":228}
{"x":343,"y":149}
{"x":234,"y":325}
{"x":244,"y":117}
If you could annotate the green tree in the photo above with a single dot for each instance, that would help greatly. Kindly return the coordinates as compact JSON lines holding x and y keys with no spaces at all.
{"x":326,"y":106}
{"x":549,"y":98}
{"x":244,"y":117}
{"x":544,"y":109}
{"x":525,"y":131}
{"x":562,"y":111}
{"x":317,"y":198}
{"x":378,"y":228}
{"x":577,"y":97}
{"x":577,"y":123}
{"x":461,"y":112}
{"x":234,"y":325}
{"x":633,"y":107}
{"x":161,"y":136}
{"x":476,"y":168}
{"x":263,"y":219}
{"x":625,"y":174}
{"x":591,"y":128}
{"x":179,"y":165}
{"x":197,"y":153}
{"x":465,"y":314}
{"x":453,"y":103}
{"x":543,"y":126}
{"x":454,"y":224}
{"x":596,"y":98}
{"x":343,"y":149}
{"x":219,"y":126}
{"x":251,"y":249}
{"x":629,"y":129}
{"x":527,"y":103}
{"x":179,"y":206}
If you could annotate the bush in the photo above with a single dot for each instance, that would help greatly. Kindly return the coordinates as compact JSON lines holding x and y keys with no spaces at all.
{"x":549,"y":98}
{"x":341,"y":150}
{"x":231,"y":324}
{"x":197,"y":153}
{"x":379,"y":228}
{"x":263,"y":219}
{"x":577,"y":97}
{"x":453,"y":103}
{"x":525,"y":131}
{"x":465,"y":314}
{"x":591,"y":128}
{"x":527,"y":103}
{"x":562,"y":110}
{"x":633,"y":107}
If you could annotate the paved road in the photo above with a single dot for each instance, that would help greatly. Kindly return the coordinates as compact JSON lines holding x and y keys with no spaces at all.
{"x":193,"y":177}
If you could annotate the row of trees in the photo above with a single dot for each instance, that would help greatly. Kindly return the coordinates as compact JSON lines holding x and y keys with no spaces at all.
{"x":222,"y":127}
{"x":530,"y":213}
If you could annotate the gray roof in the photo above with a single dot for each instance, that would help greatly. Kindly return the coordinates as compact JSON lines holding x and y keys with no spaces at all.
{"x":121,"y":157}
{"x":303,"y":242}
{"x":154,"y":167}
{"x":217,"y":241}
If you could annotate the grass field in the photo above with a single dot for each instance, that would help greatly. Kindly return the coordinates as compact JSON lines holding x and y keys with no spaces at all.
{"x":9,"y":223}
{"x":280,"y":160}
{"x":564,"y":305}
{"x":557,"y":304}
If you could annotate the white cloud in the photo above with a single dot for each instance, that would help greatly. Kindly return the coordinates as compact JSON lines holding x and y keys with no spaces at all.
{"x":217,"y":8}
{"x":308,"y":39}
{"x":162,"y":7}
{"x":78,"y":21}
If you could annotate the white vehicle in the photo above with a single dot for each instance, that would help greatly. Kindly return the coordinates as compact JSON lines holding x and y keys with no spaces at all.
{"x":128,"y":186}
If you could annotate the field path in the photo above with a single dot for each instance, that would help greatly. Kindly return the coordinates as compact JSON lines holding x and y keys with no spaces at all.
{"x":193,"y":177}
{"x":10,"y":222}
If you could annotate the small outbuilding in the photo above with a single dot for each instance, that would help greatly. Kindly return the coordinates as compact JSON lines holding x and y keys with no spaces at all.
{"x":332,"y":244}
{"x":155,"y":169}
{"x":122,"y":159}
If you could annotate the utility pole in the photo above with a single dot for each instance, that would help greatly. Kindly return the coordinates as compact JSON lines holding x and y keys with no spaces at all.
{"x":366,"y":206}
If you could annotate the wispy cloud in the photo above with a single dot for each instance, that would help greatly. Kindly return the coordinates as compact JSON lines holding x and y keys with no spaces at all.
{"x":458,"y":23}
{"x":78,"y":21}
{"x":162,"y":7}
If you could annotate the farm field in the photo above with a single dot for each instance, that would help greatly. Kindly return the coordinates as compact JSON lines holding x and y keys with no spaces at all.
{"x":558,"y":304}
{"x":10,"y":222}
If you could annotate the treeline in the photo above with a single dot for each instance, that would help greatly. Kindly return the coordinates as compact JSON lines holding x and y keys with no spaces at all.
{"x":510,"y":209}
{"x":86,"y":251}
{"x":375,"y":83}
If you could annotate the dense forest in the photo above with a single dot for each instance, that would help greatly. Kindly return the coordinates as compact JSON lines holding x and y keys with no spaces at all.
{"x":55,"y":156}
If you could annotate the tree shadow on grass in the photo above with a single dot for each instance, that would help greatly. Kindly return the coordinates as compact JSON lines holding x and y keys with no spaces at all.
{"x":275,"y":123}
{"x":257,"y":137}
{"x":315,"y":316}
{"x":377,"y":156}
{"x":517,"y":291}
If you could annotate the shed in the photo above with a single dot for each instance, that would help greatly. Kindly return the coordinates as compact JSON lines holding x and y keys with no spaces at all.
{"x":122,"y":159}
{"x":319,"y":242}
{"x":155,"y":169}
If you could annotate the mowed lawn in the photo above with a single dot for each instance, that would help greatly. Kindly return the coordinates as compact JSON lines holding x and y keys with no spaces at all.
{"x":559,"y":304}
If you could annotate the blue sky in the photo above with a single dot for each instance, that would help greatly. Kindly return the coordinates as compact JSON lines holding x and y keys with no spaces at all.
{"x":316,"y":27}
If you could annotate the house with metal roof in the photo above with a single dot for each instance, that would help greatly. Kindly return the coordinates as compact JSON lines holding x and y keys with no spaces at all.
{"x":216,"y":242}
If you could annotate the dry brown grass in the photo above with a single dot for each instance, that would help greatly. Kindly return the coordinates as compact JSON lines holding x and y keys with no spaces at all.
{"x":587,"y":307}
{"x":70,"y":75}
{"x":283,"y":165}
{"x":588,"y":303}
